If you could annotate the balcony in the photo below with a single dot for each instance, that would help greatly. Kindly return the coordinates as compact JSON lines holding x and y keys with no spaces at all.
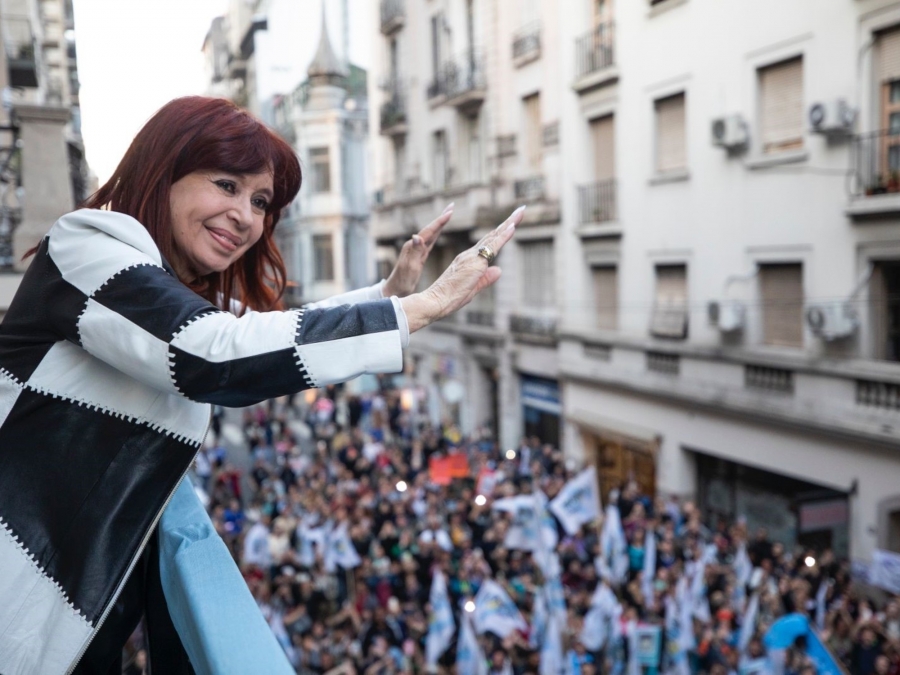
{"x":533,"y":328}
{"x":19,"y":42}
{"x":597,"y":202}
{"x":526,"y":45}
{"x":529,"y":189}
{"x":392,"y":114}
{"x":595,"y":58}
{"x":875,"y":167}
{"x":393,"y":16}
{"x":482,"y":318}
{"x":460,"y":83}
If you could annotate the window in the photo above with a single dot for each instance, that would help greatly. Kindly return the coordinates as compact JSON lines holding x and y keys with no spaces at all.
{"x":472,"y":150}
{"x":670,"y":308}
{"x":321,"y":169}
{"x":781,"y":293}
{"x":436,"y":22}
{"x":400,"y":166}
{"x":323,"y":253}
{"x":781,"y":106}
{"x":603,"y":145}
{"x":533,"y":132}
{"x":884,"y":296}
{"x":671,"y":148}
{"x":606,"y":296}
{"x":439,"y":147}
{"x":538,"y":279}
{"x":888,"y":74}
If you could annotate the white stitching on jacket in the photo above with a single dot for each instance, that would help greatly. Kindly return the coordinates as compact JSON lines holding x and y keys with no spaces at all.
{"x":9,"y":376}
{"x":301,"y":362}
{"x":4,"y":529}
{"x":124,"y":269}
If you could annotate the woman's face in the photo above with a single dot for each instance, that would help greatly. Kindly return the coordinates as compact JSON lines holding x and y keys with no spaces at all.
{"x":216,"y":218}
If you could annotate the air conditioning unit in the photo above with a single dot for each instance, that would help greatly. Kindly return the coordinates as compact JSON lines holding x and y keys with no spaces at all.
{"x":832,"y":118}
{"x":728,"y":315}
{"x":832,"y":320}
{"x":730,"y":132}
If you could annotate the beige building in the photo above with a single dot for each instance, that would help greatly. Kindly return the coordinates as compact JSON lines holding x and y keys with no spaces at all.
{"x":43,"y":173}
{"x":705,"y":294}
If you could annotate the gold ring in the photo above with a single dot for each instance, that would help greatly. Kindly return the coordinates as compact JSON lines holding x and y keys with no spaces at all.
{"x":487,"y":253}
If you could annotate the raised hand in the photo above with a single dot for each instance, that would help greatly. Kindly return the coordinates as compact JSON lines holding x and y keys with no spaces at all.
{"x":406,"y":273}
{"x":468,"y":275}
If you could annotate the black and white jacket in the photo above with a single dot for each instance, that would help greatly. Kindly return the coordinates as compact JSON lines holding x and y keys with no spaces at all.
{"x":108,"y":367}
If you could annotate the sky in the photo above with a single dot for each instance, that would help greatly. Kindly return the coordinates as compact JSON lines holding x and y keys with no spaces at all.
{"x":136,"y":55}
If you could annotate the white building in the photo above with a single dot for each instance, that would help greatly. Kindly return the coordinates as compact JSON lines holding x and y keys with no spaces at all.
{"x":711,"y":309}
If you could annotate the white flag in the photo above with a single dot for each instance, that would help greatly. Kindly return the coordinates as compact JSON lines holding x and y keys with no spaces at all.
{"x":440,"y":621}
{"x":578,"y":502}
{"x":604,"y":610}
{"x":820,"y":603}
{"x":310,"y":539}
{"x":613,"y":545}
{"x":748,"y":623}
{"x":340,"y":550}
{"x":553,"y":659}
{"x":532,"y":526}
{"x":496,"y":612}
{"x":539,"y":620}
{"x":469,"y":658}
{"x":649,"y":567}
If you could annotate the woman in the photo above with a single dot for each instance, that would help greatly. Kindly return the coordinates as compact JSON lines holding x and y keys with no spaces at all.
{"x":137,"y":314}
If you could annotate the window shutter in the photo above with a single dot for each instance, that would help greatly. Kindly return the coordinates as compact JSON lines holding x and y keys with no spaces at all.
{"x":323,"y":251}
{"x":781,"y":288}
{"x":537,"y":274}
{"x":671,"y":150}
{"x":670,"y":311}
{"x":533,"y":140}
{"x":606,"y":296}
{"x":603,"y":141}
{"x":781,"y":105}
{"x":888,"y":56}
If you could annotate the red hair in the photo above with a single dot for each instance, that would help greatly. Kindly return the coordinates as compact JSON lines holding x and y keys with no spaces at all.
{"x":196,"y":133}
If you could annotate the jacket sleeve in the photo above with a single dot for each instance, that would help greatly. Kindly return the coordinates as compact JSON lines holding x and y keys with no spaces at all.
{"x":141,"y":320}
{"x":367,"y":294}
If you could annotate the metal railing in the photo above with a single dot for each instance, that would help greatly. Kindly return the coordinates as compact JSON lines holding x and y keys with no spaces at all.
{"x":595,"y":50}
{"x":18,"y":39}
{"x":484,"y":318}
{"x":532,"y":325}
{"x":459,"y":76}
{"x":392,"y":15}
{"x":529,"y":189}
{"x":527,"y":41}
{"x":597,"y":202}
{"x":875,"y":162}
{"x":393,"y":112}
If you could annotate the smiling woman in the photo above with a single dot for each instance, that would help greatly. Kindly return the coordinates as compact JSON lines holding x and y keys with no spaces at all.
{"x":133,"y":319}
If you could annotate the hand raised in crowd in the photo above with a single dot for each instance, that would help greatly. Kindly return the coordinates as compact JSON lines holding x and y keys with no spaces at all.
{"x":406,"y":273}
{"x":468,"y":274}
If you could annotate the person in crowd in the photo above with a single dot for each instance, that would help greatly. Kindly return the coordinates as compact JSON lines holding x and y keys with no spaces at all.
{"x":140,"y":311}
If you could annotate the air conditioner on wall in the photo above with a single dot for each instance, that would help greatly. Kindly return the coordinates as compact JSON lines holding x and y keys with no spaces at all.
{"x":832,"y":118}
{"x":832,"y":320}
{"x":730,"y":132}
{"x":727,"y":315}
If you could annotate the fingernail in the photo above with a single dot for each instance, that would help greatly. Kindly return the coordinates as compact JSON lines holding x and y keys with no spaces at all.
{"x":448,"y":208}
{"x":416,"y":240}
{"x":516,"y":217}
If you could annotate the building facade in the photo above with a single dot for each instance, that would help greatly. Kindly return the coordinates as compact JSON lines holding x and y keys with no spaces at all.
{"x":704,"y":295}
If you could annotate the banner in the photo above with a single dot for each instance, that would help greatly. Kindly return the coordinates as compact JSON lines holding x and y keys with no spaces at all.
{"x":496,"y":612}
{"x":442,"y":470}
{"x":440,"y":621}
{"x":885,"y":570}
{"x":578,"y":502}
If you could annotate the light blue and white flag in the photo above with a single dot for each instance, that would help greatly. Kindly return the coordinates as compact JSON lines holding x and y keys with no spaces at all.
{"x":469,"y":658}
{"x":540,"y":617}
{"x":743,"y":569}
{"x":339,"y":550}
{"x":748,"y":623}
{"x":532,"y":527}
{"x":600,"y":619}
{"x":440,"y":621}
{"x":613,"y":545}
{"x":553,"y":659}
{"x":578,"y":502}
{"x":496,"y":612}
{"x":821,"y":594}
{"x":649,"y":567}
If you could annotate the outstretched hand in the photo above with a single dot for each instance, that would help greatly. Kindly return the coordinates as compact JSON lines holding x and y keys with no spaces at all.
{"x":467,"y":275}
{"x":406,"y":273}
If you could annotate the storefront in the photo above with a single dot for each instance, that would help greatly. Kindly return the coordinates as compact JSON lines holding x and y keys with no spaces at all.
{"x":541,"y":408}
{"x":794,"y":512}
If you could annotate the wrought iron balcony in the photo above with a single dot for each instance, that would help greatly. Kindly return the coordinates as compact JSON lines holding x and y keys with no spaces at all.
{"x":597,"y":202}
{"x":526,"y":45}
{"x":461,"y":81}
{"x":480,"y":318}
{"x":529,"y":189}
{"x":533,"y":326}
{"x":875,"y":163}
{"x":393,"y":16}
{"x":393,"y":116}
{"x":18,"y":39}
{"x":595,"y":51}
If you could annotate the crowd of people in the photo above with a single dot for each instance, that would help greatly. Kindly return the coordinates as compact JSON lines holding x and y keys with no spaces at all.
{"x":341,"y":526}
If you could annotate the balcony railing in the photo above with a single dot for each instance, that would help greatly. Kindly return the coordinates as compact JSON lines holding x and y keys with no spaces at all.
{"x":393,"y":16}
{"x":541,"y":327}
{"x":393,"y":116}
{"x":527,"y":42}
{"x":10,"y":180}
{"x":458,"y":77}
{"x":480,"y":318}
{"x":875,"y":162}
{"x":529,"y":189}
{"x":18,"y":39}
{"x":595,"y":50}
{"x":597,"y":202}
